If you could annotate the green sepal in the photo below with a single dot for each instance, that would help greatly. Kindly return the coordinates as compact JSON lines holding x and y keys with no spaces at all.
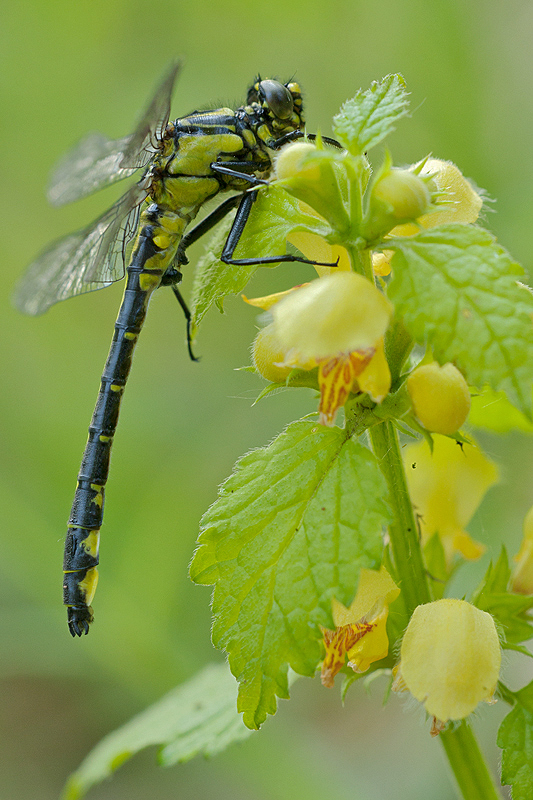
{"x":509,"y":609}
{"x":292,"y":527}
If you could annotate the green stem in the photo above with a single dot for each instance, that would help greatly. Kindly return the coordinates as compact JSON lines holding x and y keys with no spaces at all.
{"x":468,"y":765}
{"x":403,"y":532}
{"x":361,"y":261}
{"x":464,"y":755}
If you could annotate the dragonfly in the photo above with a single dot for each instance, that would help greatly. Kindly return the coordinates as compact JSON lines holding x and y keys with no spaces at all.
{"x":185,"y":163}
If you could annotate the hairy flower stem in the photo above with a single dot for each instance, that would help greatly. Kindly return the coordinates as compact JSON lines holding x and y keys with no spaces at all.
{"x":468,"y":764}
{"x":403,"y":532}
{"x":462,"y":750}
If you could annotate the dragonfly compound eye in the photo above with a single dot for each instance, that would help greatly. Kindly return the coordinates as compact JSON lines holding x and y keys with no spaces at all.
{"x":277,"y":97}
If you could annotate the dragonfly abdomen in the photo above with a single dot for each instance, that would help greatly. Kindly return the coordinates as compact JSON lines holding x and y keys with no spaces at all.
{"x":145,"y":272}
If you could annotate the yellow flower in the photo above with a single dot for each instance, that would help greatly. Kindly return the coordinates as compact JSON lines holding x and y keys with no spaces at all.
{"x":446,"y":487}
{"x":440,"y":397}
{"x":450,"y":659}
{"x":318,"y":178}
{"x":267,"y":355}
{"x":397,"y":196}
{"x":375,"y":379}
{"x":360,"y":630}
{"x":522,"y":579}
{"x":336,"y":323}
{"x":316,"y":248}
{"x":458,"y":202}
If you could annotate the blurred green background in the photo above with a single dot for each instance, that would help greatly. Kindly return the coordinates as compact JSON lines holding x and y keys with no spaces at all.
{"x":68,"y":68}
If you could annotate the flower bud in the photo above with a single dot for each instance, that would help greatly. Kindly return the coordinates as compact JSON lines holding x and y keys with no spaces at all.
{"x":267,"y":354}
{"x":440,"y":397}
{"x":407,"y":195}
{"x":316,"y":177}
{"x":398,"y":196}
{"x":291,"y":162}
{"x":450,"y":658}
{"x":456,"y":200}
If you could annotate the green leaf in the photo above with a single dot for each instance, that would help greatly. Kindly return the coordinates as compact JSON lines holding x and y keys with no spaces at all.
{"x":457,"y":290}
{"x":292,"y":527}
{"x":515,"y":737}
{"x":492,"y":410}
{"x":371,"y":115}
{"x":274,"y":214}
{"x":199,"y":716}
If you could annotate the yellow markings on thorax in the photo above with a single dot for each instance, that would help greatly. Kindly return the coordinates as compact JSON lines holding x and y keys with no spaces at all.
{"x":87,"y":587}
{"x":264,"y":133}
{"x":148,"y":281}
{"x":162,"y":240}
{"x":116,"y":387}
{"x":249,"y":138}
{"x":131,"y":336}
{"x":184,"y":191}
{"x":196,"y":153}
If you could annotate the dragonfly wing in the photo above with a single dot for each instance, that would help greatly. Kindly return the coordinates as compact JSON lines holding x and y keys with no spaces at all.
{"x":83,"y":261}
{"x":91,"y":165}
{"x":152,"y":123}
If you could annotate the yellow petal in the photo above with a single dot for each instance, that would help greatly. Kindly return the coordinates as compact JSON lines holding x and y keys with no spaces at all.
{"x":450,"y":658}
{"x":334,"y":315}
{"x":381,"y":262}
{"x":372,"y":647}
{"x":337,"y":643}
{"x":375,"y":379}
{"x":440,"y":397}
{"x":446,"y":488}
{"x":360,"y":631}
{"x":269,"y":300}
{"x":267,"y":355}
{"x":376,"y":590}
{"x":461,"y":202}
{"x":335,"y":379}
{"x":316,"y":248}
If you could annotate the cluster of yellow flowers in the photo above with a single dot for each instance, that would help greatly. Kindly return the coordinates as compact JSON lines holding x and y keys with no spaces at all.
{"x":450,"y":653}
{"x":338,"y":322}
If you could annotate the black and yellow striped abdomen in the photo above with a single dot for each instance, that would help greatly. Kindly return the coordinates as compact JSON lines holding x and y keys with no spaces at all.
{"x":155,"y":248}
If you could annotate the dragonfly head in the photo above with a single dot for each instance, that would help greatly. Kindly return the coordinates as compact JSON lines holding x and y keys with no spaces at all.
{"x":276,"y":105}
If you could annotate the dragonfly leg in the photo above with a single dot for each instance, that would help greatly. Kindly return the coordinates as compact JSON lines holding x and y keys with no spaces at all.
{"x":241,"y":218}
{"x":293,"y":136}
{"x":187,"y":314}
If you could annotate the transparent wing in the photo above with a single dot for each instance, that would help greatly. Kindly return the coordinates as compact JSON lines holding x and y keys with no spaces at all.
{"x":91,"y":165}
{"x":97,"y":161}
{"x":83,"y":261}
{"x":153,"y":122}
